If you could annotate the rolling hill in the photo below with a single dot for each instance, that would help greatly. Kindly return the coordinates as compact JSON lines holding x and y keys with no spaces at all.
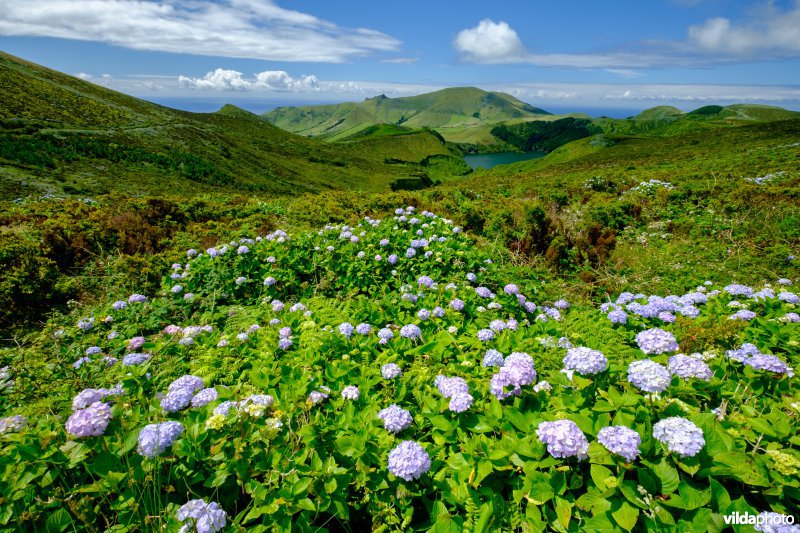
{"x":62,"y":135}
{"x":448,"y":111}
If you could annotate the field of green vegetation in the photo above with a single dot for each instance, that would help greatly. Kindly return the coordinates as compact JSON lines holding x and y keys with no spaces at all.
{"x":210,"y":323}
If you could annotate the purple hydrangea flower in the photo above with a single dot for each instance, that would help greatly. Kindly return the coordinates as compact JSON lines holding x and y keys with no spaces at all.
{"x":736,"y":289}
{"x":497,"y":325}
{"x":391,"y":371}
{"x":316,"y":396}
{"x":86,"y":324}
{"x":135,"y":343}
{"x":424,"y":281}
{"x":649,"y":376}
{"x":408,"y":461}
{"x":449,"y":387}
{"x":385,"y":335}
{"x":769,"y":363}
{"x":225,"y":407}
{"x":745,"y":351}
{"x":187,"y":381}
{"x":438,"y":312}
{"x":79,"y":363}
{"x":460,"y":402}
{"x":351,"y":392}
{"x":87,"y":397}
{"x":202,"y":517}
{"x":680,"y":436}
{"x":561,"y":304}
{"x":563,"y":439}
{"x":511,"y":289}
{"x":204,"y":397}
{"x":176,"y":400}
{"x":789,"y":297}
{"x":656,"y":341}
{"x":457,"y":305}
{"x":483,"y":292}
{"x":395,"y":418}
{"x":392,"y":259}
{"x":423,"y":314}
{"x":620,"y":440}
{"x":792,"y":317}
{"x":137,"y":298}
{"x":585,"y":360}
{"x":12,"y":424}
{"x":772,"y":522}
{"x":686,"y":367}
{"x":89,"y":422}
{"x":517,"y":371}
{"x":743,"y":314}
{"x":363,"y":329}
{"x":471,"y":277}
{"x":284,"y":343}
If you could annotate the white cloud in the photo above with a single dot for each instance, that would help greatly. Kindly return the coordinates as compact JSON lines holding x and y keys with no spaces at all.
{"x":770,"y":33}
{"x":490,"y":42}
{"x":269,"y":80}
{"x":400,"y":60}
{"x":256,"y":29}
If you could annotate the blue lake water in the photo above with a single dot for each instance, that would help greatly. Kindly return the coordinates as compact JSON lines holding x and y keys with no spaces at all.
{"x":500,"y":158}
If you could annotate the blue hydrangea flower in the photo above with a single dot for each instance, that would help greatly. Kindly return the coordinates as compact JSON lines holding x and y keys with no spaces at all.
{"x":87,"y":397}
{"x":176,"y":400}
{"x":410,"y":331}
{"x":269,"y":281}
{"x":483,"y":292}
{"x":204,"y":397}
{"x":225,"y":407}
{"x":409,"y":461}
{"x":618,"y":316}
{"x":391,"y":371}
{"x":346,"y":329}
{"x":679,"y":435}
{"x":686,"y":367}
{"x":457,"y":305}
{"x":736,"y":289}
{"x":789,"y":297}
{"x":585,"y":360}
{"x":137,"y":298}
{"x":656,"y":341}
{"x":187,"y":381}
{"x":395,"y":418}
{"x":485,"y":335}
{"x":561,"y":304}
{"x":620,"y":440}
{"x":511,"y":289}
{"x":438,"y":312}
{"x":317,"y":396}
{"x":743,"y":353}
{"x":563,"y":439}
{"x":363,"y":329}
{"x":493,"y":357}
{"x":202,"y":517}
{"x":423,"y":314}
{"x":743,"y":314}
{"x":648,"y":376}
{"x":772,"y":522}
{"x":119,"y":305}
{"x":12,"y":424}
{"x":86,"y":324}
{"x":385,"y":335}
{"x":135,"y":359}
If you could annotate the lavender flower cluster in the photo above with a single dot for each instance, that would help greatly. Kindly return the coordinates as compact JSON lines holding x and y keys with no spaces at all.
{"x":649,"y":376}
{"x":563,"y":439}
{"x":585,"y":361}
{"x":395,"y":418}
{"x":620,"y":440}
{"x":516,"y":372}
{"x":409,"y":461}
{"x":154,"y":439}
{"x":679,"y":435}
{"x":656,"y":341}
{"x":202,"y":517}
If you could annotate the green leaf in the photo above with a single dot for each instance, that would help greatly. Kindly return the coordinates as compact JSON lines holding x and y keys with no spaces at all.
{"x":667,"y":475}
{"x":563,"y":511}
{"x":626,"y":516}
{"x":59,"y":520}
{"x":600,"y":523}
{"x":484,"y":522}
{"x":599,"y":476}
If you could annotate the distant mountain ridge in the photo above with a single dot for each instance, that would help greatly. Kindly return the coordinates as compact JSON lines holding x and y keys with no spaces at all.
{"x":444,"y":110}
{"x":63,"y":135}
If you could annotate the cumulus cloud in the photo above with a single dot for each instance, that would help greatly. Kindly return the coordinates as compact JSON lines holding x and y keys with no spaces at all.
{"x":256,"y":29}
{"x":770,"y":33}
{"x":490,"y":42}
{"x":269,"y":80}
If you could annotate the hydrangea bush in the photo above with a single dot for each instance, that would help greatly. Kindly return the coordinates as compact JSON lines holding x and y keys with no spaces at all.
{"x":356,"y":376}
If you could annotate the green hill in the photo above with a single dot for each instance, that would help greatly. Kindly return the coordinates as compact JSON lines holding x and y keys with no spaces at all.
{"x":658,"y":112}
{"x":62,"y":135}
{"x":448,"y":111}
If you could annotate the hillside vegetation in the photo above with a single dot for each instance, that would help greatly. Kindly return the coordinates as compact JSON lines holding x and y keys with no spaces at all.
{"x":59,"y":134}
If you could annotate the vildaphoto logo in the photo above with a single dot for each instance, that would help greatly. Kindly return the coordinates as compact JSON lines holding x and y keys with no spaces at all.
{"x":763,"y":519}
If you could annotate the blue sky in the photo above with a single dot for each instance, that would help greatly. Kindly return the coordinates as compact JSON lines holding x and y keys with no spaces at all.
{"x":564,"y":55}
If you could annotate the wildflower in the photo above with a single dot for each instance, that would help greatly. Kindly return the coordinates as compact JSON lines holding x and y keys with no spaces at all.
{"x":656,"y":341}
{"x":517,"y":371}
{"x":154,"y":439}
{"x":648,"y":376}
{"x":409,"y":461}
{"x":242,"y":250}
{"x":176,"y":400}
{"x":769,"y":363}
{"x":743,"y":314}
{"x":390,"y":371}
{"x":395,"y":418}
{"x":460,"y":402}
{"x":438,"y":312}
{"x":79,"y":363}
{"x":137,"y":298}
{"x":135,"y":359}
{"x":225,"y":407}
{"x":585,"y":360}
{"x":363,"y":329}
{"x":679,"y":435}
{"x":492,"y":358}
{"x":618,"y":316}
{"x":563,"y":439}
{"x":197,"y":515}
{"x":485,"y":335}
{"x":620,"y":440}
{"x":316,"y":397}
{"x":89,"y":422}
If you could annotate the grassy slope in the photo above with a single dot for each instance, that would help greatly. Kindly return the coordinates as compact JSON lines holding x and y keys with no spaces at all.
{"x":449,"y":111}
{"x":62,"y":134}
